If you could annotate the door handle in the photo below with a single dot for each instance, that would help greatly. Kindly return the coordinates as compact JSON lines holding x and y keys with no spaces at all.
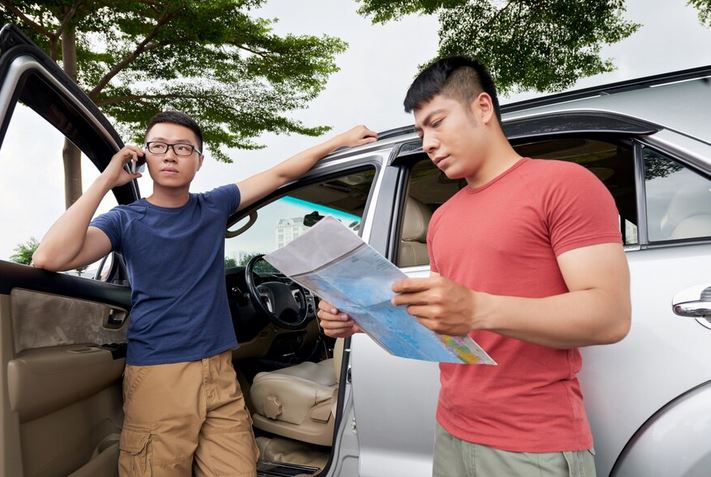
{"x":694,"y":309}
{"x":115,"y":318}
{"x":694,"y":302}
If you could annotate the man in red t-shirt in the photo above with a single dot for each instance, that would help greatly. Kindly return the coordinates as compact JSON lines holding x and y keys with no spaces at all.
{"x":527,"y":259}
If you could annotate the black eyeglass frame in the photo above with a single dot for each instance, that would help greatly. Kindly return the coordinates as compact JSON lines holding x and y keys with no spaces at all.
{"x":172,"y":146}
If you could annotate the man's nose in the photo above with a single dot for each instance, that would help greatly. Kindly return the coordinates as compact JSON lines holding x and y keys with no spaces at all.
{"x":429,"y":143}
{"x":170,"y":155}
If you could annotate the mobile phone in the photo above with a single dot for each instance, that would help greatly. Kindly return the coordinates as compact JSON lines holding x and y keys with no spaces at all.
{"x":137,"y":165}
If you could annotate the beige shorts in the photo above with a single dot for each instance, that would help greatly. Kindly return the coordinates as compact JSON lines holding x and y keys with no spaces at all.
{"x":186,"y":416}
{"x":454,"y":457}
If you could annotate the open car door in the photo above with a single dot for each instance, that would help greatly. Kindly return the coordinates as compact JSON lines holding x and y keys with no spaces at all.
{"x":62,"y":335}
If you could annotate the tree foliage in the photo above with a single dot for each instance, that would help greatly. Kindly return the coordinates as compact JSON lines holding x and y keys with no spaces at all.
{"x":213,"y":59}
{"x":262,"y":266}
{"x":704,"y":8}
{"x":544,"y":45}
{"x":23,"y":252}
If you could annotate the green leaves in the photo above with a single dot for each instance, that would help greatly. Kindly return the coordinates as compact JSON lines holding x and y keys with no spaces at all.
{"x":24,"y":251}
{"x":214,"y":60}
{"x":544,"y":45}
{"x":704,"y":8}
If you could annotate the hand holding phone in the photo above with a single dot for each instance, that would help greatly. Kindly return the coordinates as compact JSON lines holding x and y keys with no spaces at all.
{"x":137,"y":165}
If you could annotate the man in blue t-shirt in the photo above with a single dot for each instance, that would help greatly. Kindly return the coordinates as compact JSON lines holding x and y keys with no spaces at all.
{"x":183,"y":408}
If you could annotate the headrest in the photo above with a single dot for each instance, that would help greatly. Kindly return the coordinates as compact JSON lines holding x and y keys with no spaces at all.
{"x":417,"y":217}
{"x":694,"y":199}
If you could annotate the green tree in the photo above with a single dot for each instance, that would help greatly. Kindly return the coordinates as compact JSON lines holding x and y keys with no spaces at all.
{"x":262,"y":266}
{"x":211,"y":59}
{"x":704,"y":8}
{"x":544,"y":45}
{"x":24,"y":251}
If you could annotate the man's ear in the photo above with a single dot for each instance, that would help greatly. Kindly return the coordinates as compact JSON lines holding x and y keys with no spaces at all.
{"x":202,"y":158}
{"x":482,"y":107}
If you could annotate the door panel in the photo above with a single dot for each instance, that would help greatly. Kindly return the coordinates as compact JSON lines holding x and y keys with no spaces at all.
{"x":61,"y":334}
{"x":65,"y":399}
{"x":43,"y":319}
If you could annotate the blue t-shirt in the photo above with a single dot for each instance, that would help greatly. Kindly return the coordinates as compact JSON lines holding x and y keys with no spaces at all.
{"x":175,"y":263}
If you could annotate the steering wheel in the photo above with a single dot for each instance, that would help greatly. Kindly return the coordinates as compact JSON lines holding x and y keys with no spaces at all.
{"x":277,"y":300}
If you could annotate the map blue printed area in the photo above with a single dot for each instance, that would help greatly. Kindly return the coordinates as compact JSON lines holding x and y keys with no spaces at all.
{"x":337,"y":266}
{"x":359,"y":285}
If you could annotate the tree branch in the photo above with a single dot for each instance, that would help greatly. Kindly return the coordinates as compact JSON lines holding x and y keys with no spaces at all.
{"x":258,"y":53}
{"x":142,"y":97}
{"x":140,"y":48}
{"x":69,"y":15}
{"x":498,"y":14}
{"x":34,"y":25}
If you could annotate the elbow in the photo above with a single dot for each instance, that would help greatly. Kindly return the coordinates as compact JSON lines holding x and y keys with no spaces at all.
{"x":617,"y":330}
{"x":42,"y":260}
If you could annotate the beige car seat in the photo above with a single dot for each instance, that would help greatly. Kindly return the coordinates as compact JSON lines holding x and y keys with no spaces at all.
{"x":299,"y":401}
{"x":688,"y":214}
{"x":413,"y":241}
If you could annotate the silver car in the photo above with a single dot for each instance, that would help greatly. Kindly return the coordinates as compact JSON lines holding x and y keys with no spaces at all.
{"x":335,"y":408}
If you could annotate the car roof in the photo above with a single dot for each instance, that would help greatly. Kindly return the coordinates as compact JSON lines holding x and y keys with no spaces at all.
{"x":679,"y":100}
{"x":683,"y":106}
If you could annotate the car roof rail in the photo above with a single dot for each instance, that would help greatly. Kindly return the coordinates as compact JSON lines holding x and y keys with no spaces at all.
{"x":610,"y":88}
{"x":388,"y":133}
{"x":602,"y":90}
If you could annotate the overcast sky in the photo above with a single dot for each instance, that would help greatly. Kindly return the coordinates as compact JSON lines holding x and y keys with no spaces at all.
{"x":375,"y":71}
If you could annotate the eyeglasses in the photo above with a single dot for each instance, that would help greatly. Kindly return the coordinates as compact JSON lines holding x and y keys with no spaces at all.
{"x":157,"y":147}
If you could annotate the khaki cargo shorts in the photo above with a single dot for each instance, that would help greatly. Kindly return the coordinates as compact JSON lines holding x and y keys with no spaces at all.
{"x":457,"y":458}
{"x":182,"y":417}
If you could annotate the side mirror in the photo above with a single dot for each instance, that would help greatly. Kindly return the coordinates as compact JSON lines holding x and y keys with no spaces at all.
{"x":311,"y":219}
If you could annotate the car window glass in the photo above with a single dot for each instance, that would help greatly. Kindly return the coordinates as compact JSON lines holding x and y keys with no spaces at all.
{"x":286,"y":218}
{"x":32,"y":185}
{"x":612,"y":163}
{"x":678,"y":199}
{"x":428,"y":188}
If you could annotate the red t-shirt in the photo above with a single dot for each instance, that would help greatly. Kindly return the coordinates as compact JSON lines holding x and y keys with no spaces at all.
{"x":503,"y":238}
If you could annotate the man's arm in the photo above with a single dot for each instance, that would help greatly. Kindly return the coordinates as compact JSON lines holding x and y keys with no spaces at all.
{"x":70,"y":242}
{"x":596,"y":310}
{"x":259,"y":185}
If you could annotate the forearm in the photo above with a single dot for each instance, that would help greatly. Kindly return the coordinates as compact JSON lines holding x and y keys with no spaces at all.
{"x":65,"y":238}
{"x":573,"y":319}
{"x":302,"y":162}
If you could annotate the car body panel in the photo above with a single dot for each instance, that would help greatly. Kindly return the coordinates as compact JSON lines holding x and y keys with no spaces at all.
{"x":680,"y":106}
{"x":674,"y":441}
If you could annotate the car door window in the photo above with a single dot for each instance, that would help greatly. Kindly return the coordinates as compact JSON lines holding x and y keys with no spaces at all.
{"x":678,"y":199}
{"x":32,"y":185}
{"x":279,"y":222}
{"x":428,"y":188}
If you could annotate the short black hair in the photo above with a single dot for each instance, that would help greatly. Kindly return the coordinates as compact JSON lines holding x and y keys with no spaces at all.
{"x":179,"y":118}
{"x":459,"y":77}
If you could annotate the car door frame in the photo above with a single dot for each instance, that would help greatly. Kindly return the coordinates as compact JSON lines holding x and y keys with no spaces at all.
{"x":344,"y":457}
{"x":28,"y":75}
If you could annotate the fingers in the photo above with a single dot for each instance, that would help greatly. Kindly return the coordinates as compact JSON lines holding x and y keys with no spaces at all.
{"x":412,"y":298}
{"x":127,"y":154}
{"x":366,"y":140}
{"x":368,"y":134}
{"x":335,"y":323}
{"x":411,"y":285}
{"x":339,"y":329}
{"x":359,"y":135}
